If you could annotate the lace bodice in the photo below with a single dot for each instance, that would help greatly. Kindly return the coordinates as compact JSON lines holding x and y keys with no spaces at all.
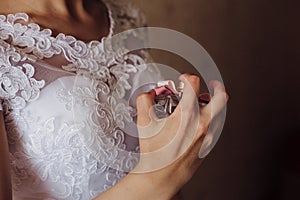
{"x":64,"y":104}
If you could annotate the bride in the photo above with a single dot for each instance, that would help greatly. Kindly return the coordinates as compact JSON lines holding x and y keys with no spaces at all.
{"x":63,"y":134}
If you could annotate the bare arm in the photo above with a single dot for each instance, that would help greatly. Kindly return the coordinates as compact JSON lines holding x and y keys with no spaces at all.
{"x":5,"y":181}
{"x":147,"y":182}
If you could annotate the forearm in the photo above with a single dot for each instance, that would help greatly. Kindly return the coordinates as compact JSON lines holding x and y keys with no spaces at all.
{"x":140,"y":186}
{"x":5,"y":181}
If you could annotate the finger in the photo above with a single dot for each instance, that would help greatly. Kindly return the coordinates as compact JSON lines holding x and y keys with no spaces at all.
{"x":145,"y":103}
{"x":204,"y":99}
{"x":191,"y":92}
{"x":218,"y":101}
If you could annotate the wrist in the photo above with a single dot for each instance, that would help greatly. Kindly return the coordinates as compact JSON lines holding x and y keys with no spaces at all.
{"x":154,"y":186}
{"x":162,"y":183}
{"x":136,"y":186}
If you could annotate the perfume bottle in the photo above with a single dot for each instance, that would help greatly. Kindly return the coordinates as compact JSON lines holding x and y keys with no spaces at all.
{"x":168,"y":96}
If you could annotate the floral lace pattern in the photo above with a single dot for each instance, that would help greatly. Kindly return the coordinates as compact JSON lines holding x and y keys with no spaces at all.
{"x":17,"y":83}
{"x":55,"y":155}
{"x":103,"y":121}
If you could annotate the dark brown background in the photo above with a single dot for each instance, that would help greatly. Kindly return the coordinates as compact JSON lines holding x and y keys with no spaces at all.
{"x":255,"y":44}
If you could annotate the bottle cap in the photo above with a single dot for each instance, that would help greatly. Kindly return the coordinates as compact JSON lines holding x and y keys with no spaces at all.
{"x":180,"y":87}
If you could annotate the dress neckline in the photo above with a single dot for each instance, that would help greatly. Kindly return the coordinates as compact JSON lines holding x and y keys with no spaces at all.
{"x":13,"y":17}
{"x":38,"y":44}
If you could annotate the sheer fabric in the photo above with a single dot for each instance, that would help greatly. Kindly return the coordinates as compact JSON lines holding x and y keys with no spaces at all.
{"x":63,"y":103}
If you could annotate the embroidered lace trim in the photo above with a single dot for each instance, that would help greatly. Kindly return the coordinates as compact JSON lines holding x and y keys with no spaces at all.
{"x":47,"y":152}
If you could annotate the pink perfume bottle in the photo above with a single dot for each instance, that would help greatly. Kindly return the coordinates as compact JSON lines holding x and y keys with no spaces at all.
{"x":168,"y":96}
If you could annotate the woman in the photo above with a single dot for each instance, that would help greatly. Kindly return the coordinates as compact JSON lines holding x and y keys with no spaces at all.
{"x":57,"y":142}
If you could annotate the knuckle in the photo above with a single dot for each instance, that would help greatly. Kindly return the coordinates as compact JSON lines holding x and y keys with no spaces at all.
{"x":224,"y":95}
{"x":194,"y":79}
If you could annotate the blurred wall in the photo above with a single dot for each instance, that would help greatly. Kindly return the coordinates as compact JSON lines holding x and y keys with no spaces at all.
{"x":255,"y":44}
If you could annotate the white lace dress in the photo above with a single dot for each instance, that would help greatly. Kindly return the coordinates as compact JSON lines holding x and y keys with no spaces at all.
{"x":68,"y":132}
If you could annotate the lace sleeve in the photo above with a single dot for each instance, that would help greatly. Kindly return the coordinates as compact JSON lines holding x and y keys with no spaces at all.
{"x":126,"y":15}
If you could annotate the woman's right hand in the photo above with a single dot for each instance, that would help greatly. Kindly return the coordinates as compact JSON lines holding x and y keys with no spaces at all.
{"x":170,"y":147}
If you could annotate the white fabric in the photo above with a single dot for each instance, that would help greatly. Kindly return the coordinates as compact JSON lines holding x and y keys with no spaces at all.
{"x":68,"y":132}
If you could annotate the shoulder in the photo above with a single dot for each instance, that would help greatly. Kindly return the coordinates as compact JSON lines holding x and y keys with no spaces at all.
{"x":126,"y":15}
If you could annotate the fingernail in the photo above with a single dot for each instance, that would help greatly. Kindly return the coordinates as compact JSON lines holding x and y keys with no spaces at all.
{"x":212,"y":84}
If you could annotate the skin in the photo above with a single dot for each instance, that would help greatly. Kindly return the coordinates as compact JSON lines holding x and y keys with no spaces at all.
{"x":5,"y":182}
{"x":163,"y":184}
{"x":87,"y":20}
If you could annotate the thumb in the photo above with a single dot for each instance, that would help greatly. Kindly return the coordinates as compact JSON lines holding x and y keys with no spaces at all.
{"x":145,"y":103}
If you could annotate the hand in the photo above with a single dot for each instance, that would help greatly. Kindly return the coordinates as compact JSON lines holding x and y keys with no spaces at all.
{"x":169,"y":147}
